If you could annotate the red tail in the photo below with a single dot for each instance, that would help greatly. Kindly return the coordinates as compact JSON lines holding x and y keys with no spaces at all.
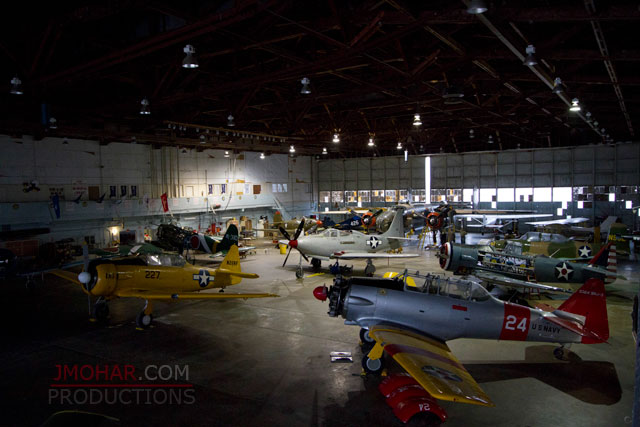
{"x":590,"y":301}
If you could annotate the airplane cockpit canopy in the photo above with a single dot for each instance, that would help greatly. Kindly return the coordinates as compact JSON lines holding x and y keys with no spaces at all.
{"x":438,"y":285}
{"x":165,"y":260}
{"x":534,"y":236}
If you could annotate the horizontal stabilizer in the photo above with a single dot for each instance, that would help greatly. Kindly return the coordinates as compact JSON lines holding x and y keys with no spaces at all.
{"x":236,"y":273}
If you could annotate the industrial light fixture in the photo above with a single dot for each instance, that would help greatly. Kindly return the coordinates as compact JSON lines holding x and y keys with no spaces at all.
{"x":203,"y":140}
{"x":336,"y":138}
{"x":144,"y":109}
{"x":53,"y":123}
{"x":230,"y":121}
{"x":530,"y":60}
{"x":416,"y":120}
{"x":189,"y":61}
{"x":262,"y":156}
{"x":471,"y":134}
{"x":596,"y":123}
{"x":557,"y":86}
{"x":490,"y":139}
{"x":370,"y":144}
{"x":399,"y":146}
{"x":16,"y":86}
{"x":292,"y":149}
{"x":574,"y":105}
{"x":477,"y":7}
{"x":305,"y":86}
{"x":452,"y":95}
{"x":324,"y":150}
{"x":406,"y":155}
{"x":588,"y":116}
{"x":184,"y":151}
{"x":226,"y":153}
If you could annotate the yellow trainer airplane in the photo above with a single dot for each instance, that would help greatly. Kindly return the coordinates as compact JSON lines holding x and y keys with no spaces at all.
{"x":150,"y":277}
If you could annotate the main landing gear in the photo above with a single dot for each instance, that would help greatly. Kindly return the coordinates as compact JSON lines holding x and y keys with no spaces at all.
{"x":372,"y":361}
{"x":315,"y":263}
{"x":100,"y":311}
{"x":144,"y":319}
{"x":370,"y":268}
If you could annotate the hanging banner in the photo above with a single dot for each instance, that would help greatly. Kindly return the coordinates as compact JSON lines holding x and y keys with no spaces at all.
{"x":55,"y":199}
{"x":165,"y":202}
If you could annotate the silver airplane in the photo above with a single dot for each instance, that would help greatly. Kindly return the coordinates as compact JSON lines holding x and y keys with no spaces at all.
{"x":412,"y":316}
{"x":344,"y":245}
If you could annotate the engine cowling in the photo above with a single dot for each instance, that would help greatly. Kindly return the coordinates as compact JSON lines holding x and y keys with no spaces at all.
{"x":457,"y":258}
{"x":106,"y":280}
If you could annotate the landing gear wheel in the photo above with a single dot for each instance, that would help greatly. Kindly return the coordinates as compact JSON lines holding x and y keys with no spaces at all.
{"x":315,"y":262}
{"x":101,"y":312}
{"x":372,"y":366}
{"x":558,"y":352}
{"x":424,"y":419}
{"x":369,"y":269}
{"x":144,"y":320}
{"x":366,"y":342}
{"x":299,"y":273}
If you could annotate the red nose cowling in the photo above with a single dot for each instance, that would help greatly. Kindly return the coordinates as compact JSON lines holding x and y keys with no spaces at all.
{"x":293,"y":243}
{"x":320,"y":293}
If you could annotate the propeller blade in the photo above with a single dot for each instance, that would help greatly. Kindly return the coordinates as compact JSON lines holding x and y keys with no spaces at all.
{"x":287,"y":257}
{"x":284,"y":233}
{"x":299,"y":230}
{"x":85,"y":256}
{"x":378,"y":212}
{"x":303,"y":255}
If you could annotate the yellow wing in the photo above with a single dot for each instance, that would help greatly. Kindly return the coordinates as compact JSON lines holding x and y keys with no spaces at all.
{"x":431,"y":364}
{"x":72,"y":277}
{"x":188,"y":295}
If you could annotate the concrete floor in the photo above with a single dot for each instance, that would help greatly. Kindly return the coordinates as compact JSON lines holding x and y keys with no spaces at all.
{"x":266,"y":361}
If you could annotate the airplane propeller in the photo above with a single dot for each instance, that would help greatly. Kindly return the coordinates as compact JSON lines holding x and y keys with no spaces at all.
{"x":85,"y":276}
{"x":293,"y":243}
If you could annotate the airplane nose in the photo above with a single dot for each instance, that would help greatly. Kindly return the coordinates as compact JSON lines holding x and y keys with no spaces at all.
{"x":320,"y":293}
{"x":293,"y":243}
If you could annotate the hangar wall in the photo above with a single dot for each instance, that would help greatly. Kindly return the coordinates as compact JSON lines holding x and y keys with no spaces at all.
{"x":589,"y":174}
{"x":133,"y":177}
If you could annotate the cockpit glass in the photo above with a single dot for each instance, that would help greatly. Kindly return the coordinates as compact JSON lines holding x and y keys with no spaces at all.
{"x":167,"y":260}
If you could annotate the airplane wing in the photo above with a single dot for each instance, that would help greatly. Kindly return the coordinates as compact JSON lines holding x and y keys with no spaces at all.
{"x":188,"y":295}
{"x":241,"y":251}
{"x":499,"y":279}
{"x":369,"y":255}
{"x":504,"y":216}
{"x":431,"y":364}
{"x":563,"y":221}
{"x":67,"y":275}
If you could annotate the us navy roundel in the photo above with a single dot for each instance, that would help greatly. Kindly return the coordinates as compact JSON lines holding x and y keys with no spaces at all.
{"x":203,"y":277}
{"x":584,"y":251}
{"x":373,"y":242}
{"x":564,"y":272}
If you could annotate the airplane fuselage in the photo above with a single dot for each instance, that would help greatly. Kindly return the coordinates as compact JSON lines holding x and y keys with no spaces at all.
{"x":331,"y":242}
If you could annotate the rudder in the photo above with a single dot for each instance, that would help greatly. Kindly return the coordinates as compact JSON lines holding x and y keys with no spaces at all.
{"x":590,"y":301}
{"x":229,"y":239}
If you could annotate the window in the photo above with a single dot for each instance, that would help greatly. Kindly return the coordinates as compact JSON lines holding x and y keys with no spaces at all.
{"x":325,"y":197}
{"x":524,"y":194}
{"x":223,"y":188}
{"x":419,"y":195}
{"x":562,"y":194}
{"x":123,"y":190}
{"x":278,"y":188}
{"x":390,"y":196}
{"x":364,"y":196}
{"x":438,"y":195}
{"x":454,"y":195}
{"x":467,"y":195}
{"x":542,"y":194}
{"x":487,"y":194}
{"x":351,"y":196}
{"x":377,"y":196}
{"x":337,"y":197}
{"x":404,"y":195}
{"x":506,"y":195}
{"x":112,"y":191}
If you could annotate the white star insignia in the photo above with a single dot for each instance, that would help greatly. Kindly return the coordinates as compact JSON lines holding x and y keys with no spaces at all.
{"x":563,"y":271}
{"x":202,"y":278}
{"x":584,"y":251}
{"x":373,"y":242}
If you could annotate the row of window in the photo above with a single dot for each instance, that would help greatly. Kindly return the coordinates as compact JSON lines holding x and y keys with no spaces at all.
{"x":372,"y":196}
{"x":535,"y":194}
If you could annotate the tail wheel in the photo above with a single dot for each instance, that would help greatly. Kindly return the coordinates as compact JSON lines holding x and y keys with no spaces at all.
{"x":144,"y":320}
{"x":101,"y":312}
{"x":372,"y":366}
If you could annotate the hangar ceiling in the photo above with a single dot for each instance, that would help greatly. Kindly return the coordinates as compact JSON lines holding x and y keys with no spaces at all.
{"x":372,"y":65}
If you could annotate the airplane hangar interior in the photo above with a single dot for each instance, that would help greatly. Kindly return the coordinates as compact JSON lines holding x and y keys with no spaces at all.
{"x":320,"y":213}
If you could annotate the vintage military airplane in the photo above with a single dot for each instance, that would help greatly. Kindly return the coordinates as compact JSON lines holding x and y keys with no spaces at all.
{"x":494,"y":267}
{"x":310,"y":225}
{"x":164,"y":277}
{"x":215,"y":245}
{"x":359,"y":221}
{"x":412,"y":324}
{"x":550,"y":244}
{"x":345,"y":245}
{"x":124,"y":250}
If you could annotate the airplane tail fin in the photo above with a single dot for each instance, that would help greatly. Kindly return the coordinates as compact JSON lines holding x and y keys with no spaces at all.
{"x":229,"y":272}
{"x":607,"y":257}
{"x":590,"y":302}
{"x":230,"y":238}
{"x":605,"y":226}
{"x":396,"y":229}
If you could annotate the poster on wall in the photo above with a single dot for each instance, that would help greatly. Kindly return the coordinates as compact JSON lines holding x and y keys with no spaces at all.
{"x":113,"y":192}
{"x":123,"y":191}
{"x":134,"y":191}
{"x":79,"y":187}
{"x":165,"y":204}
